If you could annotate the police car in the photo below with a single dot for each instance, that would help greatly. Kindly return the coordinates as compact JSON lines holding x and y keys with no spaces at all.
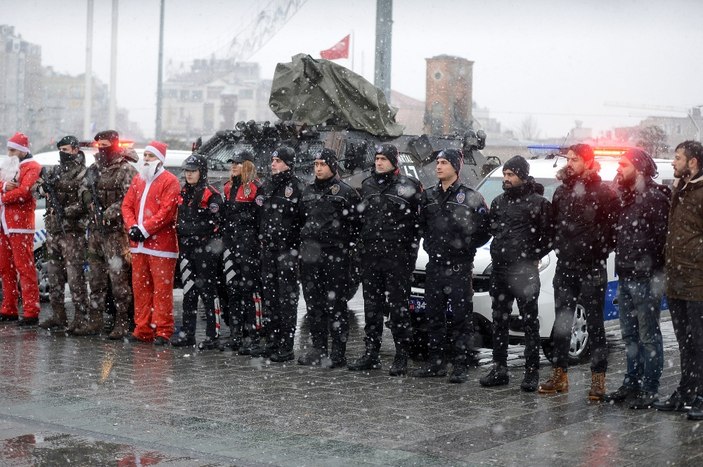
{"x":544,"y":172}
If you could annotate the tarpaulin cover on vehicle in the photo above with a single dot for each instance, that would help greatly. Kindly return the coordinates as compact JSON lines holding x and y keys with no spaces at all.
{"x":319,"y":91}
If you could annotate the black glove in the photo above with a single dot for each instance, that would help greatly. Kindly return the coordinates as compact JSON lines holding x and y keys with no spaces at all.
{"x":135,"y":234}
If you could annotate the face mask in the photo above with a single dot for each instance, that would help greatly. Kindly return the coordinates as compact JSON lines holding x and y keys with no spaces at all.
{"x":147,"y":170}
{"x":65,"y":157}
{"x":105,"y":155}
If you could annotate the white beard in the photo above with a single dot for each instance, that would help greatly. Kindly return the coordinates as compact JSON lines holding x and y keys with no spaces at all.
{"x":148,"y":170}
{"x":9,"y":169}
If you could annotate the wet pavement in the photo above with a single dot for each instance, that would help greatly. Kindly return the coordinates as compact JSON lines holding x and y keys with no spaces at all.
{"x":91,"y":401}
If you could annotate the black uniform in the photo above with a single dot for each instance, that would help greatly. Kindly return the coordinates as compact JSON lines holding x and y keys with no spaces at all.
{"x":330,"y":231}
{"x":454,"y":225}
{"x":242,"y":258}
{"x":279,"y":232}
{"x":584,"y":211}
{"x":520,"y":222}
{"x":390,"y":236}
{"x":200,"y":248}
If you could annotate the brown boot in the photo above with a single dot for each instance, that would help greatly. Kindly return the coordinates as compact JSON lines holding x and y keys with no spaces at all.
{"x":56,"y":321}
{"x":92,"y":326}
{"x":558,"y":382}
{"x":77,"y":322}
{"x":121,"y":328}
{"x":597,"y":392}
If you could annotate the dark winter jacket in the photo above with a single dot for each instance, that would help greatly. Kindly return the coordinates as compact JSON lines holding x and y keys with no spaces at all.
{"x":521,"y":225}
{"x":684,"y":243}
{"x":281,"y":214}
{"x":584,"y":212}
{"x":390,"y":209}
{"x":199,"y":211}
{"x":641,"y":230}
{"x":240,"y":214}
{"x":66,"y":184}
{"x":454,"y":223}
{"x":331,"y":218}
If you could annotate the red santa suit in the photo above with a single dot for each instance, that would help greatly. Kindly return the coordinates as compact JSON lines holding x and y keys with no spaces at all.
{"x":17,"y":241}
{"x":153,"y":206}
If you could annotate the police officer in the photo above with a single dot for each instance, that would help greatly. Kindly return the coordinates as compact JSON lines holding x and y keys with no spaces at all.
{"x":390,"y":212}
{"x":200,"y":248}
{"x":242,"y":255}
{"x":108,"y":180}
{"x":279,"y":232}
{"x":328,"y":235}
{"x":454,"y":220}
{"x":521,"y":225}
{"x":66,"y":220}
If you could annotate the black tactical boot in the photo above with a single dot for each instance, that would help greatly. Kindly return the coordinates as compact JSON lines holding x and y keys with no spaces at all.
{"x":531,"y":380}
{"x":368,"y":361}
{"x":56,"y":321}
{"x":498,"y":376}
{"x":313,"y":357}
{"x":400,"y":362}
{"x":338,"y":357}
{"x":92,"y":326}
{"x":434,"y":368}
{"x":460,"y":373}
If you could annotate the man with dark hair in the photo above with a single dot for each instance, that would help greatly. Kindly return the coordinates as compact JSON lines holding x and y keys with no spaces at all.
{"x":584,"y":215}
{"x":330,"y":231}
{"x":521,"y":225}
{"x":390,"y":237}
{"x":280,"y":220}
{"x":454,"y":222}
{"x":18,"y":173}
{"x":639,"y":265}
{"x":684,"y":277}
{"x":108,"y":180}
{"x":66,"y":217}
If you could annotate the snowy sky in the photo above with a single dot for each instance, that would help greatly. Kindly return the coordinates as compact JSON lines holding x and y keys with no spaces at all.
{"x":558,"y":61}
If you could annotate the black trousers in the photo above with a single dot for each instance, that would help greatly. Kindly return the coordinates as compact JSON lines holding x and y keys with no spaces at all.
{"x":325,"y":279}
{"x":199,"y":268}
{"x":242,"y":264}
{"x":449,"y":310}
{"x":279,"y":277}
{"x":687,"y":318}
{"x":585,"y":287}
{"x":519,"y":281}
{"x":386,"y":282}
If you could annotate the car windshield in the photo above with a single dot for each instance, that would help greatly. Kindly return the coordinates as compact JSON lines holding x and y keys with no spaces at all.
{"x":493,"y":186}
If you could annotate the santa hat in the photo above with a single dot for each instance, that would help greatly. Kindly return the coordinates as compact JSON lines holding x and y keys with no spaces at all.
{"x":158,"y":149}
{"x":19,"y":141}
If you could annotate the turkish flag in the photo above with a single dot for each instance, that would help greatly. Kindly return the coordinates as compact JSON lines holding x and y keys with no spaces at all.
{"x":338,"y":50}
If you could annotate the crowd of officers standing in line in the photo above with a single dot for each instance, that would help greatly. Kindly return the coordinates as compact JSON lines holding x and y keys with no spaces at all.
{"x":272,"y":234}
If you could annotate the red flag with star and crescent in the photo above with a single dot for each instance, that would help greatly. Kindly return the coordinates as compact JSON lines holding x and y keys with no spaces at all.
{"x":338,"y":50}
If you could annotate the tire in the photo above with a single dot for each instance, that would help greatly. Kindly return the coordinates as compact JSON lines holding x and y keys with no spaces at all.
{"x":580,"y":347}
{"x":42,"y":273}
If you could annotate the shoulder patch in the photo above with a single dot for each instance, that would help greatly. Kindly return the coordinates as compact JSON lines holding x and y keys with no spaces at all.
{"x":288,"y":192}
{"x":259,"y":200}
{"x":335,"y":189}
{"x":460,"y":197}
{"x":214,"y":207}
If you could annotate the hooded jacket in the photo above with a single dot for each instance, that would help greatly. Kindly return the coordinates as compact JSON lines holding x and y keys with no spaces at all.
{"x":684,"y":243}
{"x":641,"y":230}
{"x":584,"y":212}
{"x":521,"y":224}
{"x":17,"y":206}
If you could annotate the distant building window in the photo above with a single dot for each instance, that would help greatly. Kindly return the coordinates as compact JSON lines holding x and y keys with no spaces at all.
{"x":246,"y":93}
{"x":678,"y":129}
{"x":197,"y":95}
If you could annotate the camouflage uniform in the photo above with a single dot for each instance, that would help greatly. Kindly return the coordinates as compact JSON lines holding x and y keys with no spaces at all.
{"x":66,"y":220}
{"x":108,"y":246}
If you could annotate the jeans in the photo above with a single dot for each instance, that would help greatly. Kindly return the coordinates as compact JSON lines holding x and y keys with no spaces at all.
{"x":640,"y":306}
{"x":687,"y":318}
{"x":520,"y":282}
{"x":584,"y":287}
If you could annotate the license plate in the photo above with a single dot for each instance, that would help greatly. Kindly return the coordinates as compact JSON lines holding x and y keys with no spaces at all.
{"x":417,"y":304}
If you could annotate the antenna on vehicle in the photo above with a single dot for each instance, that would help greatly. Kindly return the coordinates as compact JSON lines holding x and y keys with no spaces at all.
{"x":563,"y":144}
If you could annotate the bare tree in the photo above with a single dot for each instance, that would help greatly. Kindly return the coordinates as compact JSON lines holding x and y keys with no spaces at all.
{"x":529,"y":129}
{"x":653,"y":140}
